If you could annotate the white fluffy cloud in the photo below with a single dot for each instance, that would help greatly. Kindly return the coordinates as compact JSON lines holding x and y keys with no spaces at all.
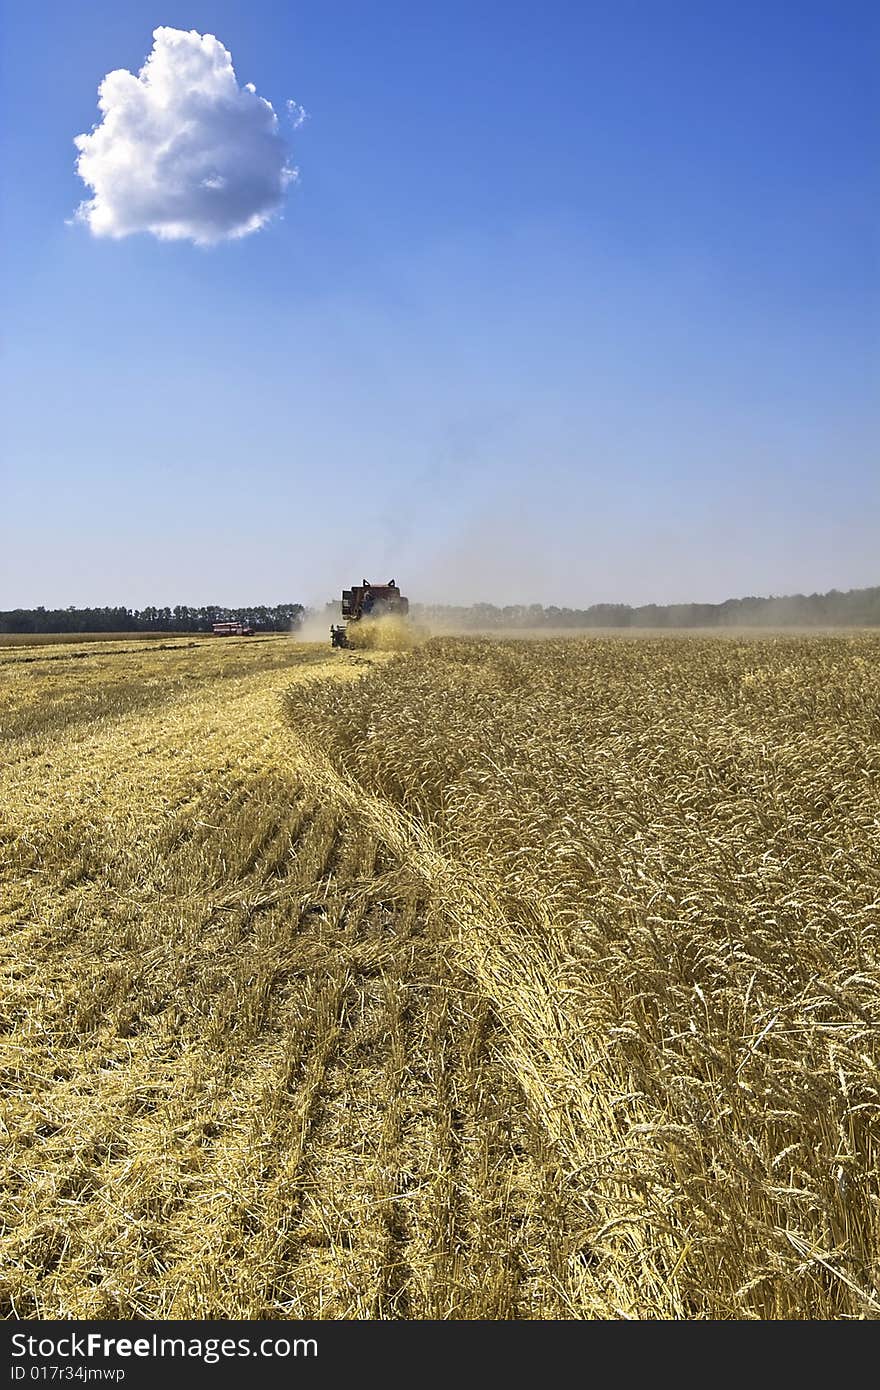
{"x":181,"y":150}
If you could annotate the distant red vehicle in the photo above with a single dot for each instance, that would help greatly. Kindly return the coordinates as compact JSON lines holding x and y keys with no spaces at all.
{"x":231,"y":630}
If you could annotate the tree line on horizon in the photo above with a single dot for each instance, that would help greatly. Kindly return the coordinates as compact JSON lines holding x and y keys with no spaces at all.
{"x":837,"y":608}
{"x":282,"y":617}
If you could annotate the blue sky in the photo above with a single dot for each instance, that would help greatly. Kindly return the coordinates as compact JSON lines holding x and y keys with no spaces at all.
{"x":571,"y":303}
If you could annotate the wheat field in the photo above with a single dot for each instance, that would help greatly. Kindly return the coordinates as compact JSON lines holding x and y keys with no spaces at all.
{"x":484,"y":980}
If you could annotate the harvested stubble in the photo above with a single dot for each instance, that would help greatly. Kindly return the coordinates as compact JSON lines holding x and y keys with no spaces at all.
{"x":242,"y":1077}
{"x":81,"y":639}
{"x":659,"y":861}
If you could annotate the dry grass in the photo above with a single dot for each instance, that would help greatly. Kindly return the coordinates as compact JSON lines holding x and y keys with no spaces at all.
{"x":501,"y":980}
{"x":79,"y":639}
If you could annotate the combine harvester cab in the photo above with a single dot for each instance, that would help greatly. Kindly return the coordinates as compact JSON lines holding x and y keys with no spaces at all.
{"x":368,"y":601}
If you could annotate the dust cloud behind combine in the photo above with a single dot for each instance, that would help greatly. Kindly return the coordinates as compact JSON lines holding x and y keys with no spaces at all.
{"x":315,"y":627}
{"x":386,"y":633}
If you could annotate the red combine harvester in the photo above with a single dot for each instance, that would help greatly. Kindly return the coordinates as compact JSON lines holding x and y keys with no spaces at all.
{"x":231,"y":630}
{"x":368,"y":601}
